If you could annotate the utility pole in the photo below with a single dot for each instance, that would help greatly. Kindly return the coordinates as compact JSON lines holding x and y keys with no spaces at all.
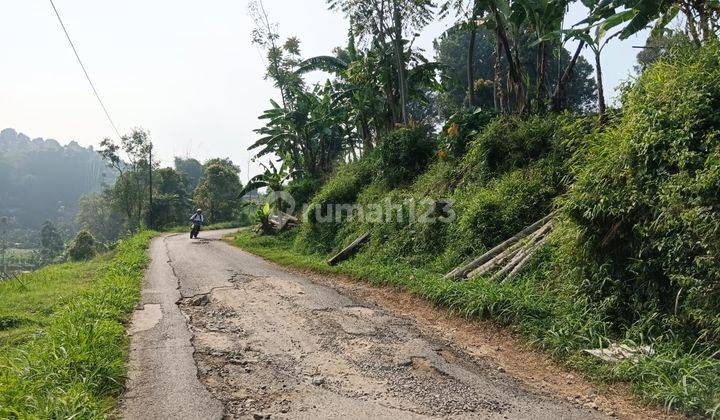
{"x":150,"y":209}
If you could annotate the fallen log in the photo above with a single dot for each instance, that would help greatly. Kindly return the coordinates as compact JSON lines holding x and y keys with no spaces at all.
{"x":283,"y":220}
{"x":509,"y":253}
{"x":462,"y":271}
{"x":349,"y":250}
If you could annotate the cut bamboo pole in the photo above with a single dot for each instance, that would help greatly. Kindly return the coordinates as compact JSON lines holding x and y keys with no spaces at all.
{"x":526,"y":259}
{"x":517,"y":259}
{"x":496,"y":261}
{"x":510,"y":253}
{"x":349,"y":250}
{"x":283,"y":220}
{"x":462,"y":271}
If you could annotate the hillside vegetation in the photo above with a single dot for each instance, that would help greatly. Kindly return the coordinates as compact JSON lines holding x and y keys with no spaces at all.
{"x":634,"y":254}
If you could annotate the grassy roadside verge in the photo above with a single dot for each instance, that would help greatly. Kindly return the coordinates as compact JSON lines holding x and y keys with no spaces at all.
{"x":74,"y":365}
{"x":29,"y":304}
{"x":540,"y":315}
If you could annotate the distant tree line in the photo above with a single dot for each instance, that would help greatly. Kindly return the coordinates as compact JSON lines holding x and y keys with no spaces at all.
{"x":148,"y":196}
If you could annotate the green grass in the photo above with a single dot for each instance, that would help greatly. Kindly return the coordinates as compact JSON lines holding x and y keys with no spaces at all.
{"x":30,"y":301}
{"x":545,"y":315}
{"x":66,"y":357}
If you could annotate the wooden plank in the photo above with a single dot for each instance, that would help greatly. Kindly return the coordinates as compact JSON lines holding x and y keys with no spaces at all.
{"x":349,"y":250}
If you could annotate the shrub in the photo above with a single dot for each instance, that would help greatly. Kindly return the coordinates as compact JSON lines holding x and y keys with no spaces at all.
{"x":460,"y":129}
{"x":302,"y":190}
{"x":343,"y":187}
{"x":83,"y":247}
{"x":507,"y":143}
{"x":489,"y":214}
{"x":76,"y":368}
{"x":404,"y":154}
{"x":646,"y":204}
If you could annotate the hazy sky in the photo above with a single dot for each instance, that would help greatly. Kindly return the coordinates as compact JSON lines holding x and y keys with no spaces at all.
{"x":184,"y":70}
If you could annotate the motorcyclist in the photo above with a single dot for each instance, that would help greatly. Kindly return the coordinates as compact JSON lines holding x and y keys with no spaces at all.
{"x":197,"y":220}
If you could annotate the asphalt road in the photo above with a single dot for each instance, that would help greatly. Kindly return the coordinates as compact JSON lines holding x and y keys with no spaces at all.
{"x":225,"y":333}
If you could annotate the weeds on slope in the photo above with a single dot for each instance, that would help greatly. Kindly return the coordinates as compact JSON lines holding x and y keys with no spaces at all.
{"x":75,"y":366}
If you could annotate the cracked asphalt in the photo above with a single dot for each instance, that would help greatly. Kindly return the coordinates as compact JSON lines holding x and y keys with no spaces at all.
{"x":223,"y":333}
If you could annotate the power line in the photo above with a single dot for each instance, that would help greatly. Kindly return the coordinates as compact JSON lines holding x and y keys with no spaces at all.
{"x":107,"y":114}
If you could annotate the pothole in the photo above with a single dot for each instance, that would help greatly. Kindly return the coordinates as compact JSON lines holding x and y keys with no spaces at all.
{"x":145,"y":318}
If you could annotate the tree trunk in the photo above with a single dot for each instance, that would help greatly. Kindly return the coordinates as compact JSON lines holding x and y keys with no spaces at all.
{"x":703,"y":17}
{"x":348,"y":251}
{"x":497,"y":81}
{"x":511,"y":251}
{"x":540,"y":82}
{"x":524,"y":251}
{"x":690,"y":24}
{"x":600,"y":88}
{"x":514,"y":70}
{"x":471,"y":62}
{"x":558,"y":100}
{"x":397,"y":41}
{"x":150,"y":221}
{"x":525,"y":259}
{"x":366,"y":134}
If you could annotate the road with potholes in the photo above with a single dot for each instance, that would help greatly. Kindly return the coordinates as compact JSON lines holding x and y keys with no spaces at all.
{"x":224,"y":333}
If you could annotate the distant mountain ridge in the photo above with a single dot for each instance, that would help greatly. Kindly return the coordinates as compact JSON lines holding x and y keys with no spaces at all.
{"x":11,"y":140}
{"x":41,"y":179}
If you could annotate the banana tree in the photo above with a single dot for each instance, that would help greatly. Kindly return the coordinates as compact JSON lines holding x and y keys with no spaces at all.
{"x":360,"y":75}
{"x":313,"y":132}
{"x":470,"y":11}
{"x":545,"y":18}
{"x":273,"y":177}
{"x":384,"y":23}
{"x":597,"y":42}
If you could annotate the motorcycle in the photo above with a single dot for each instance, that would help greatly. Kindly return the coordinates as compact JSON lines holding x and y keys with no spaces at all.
{"x":194,"y":230}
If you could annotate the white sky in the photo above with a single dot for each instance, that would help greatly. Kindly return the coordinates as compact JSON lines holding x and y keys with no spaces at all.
{"x":184,"y":70}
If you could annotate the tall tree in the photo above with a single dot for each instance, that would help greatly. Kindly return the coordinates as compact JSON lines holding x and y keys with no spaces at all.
{"x":192,"y":169}
{"x":51,"y":242}
{"x":450,"y":52}
{"x":132,"y":190}
{"x":384,"y":23}
{"x":219,"y":190}
{"x":99,"y":215}
{"x":171,"y":204}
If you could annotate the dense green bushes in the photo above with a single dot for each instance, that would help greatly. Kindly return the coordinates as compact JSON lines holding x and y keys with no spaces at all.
{"x":647,"y":207}
{"x":404,"y":154}
{"x":318,"y":234}
{"x":459,"y":130}
{"x":83,"y":247}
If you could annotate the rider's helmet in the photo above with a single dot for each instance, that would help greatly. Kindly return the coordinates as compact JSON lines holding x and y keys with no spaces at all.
{"x":199,"y":211}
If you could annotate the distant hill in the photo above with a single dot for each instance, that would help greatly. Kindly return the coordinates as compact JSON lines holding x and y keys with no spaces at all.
{"x":41,"y":179}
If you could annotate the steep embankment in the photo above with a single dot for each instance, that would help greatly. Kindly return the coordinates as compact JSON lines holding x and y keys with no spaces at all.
{"x":633,"y":256}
